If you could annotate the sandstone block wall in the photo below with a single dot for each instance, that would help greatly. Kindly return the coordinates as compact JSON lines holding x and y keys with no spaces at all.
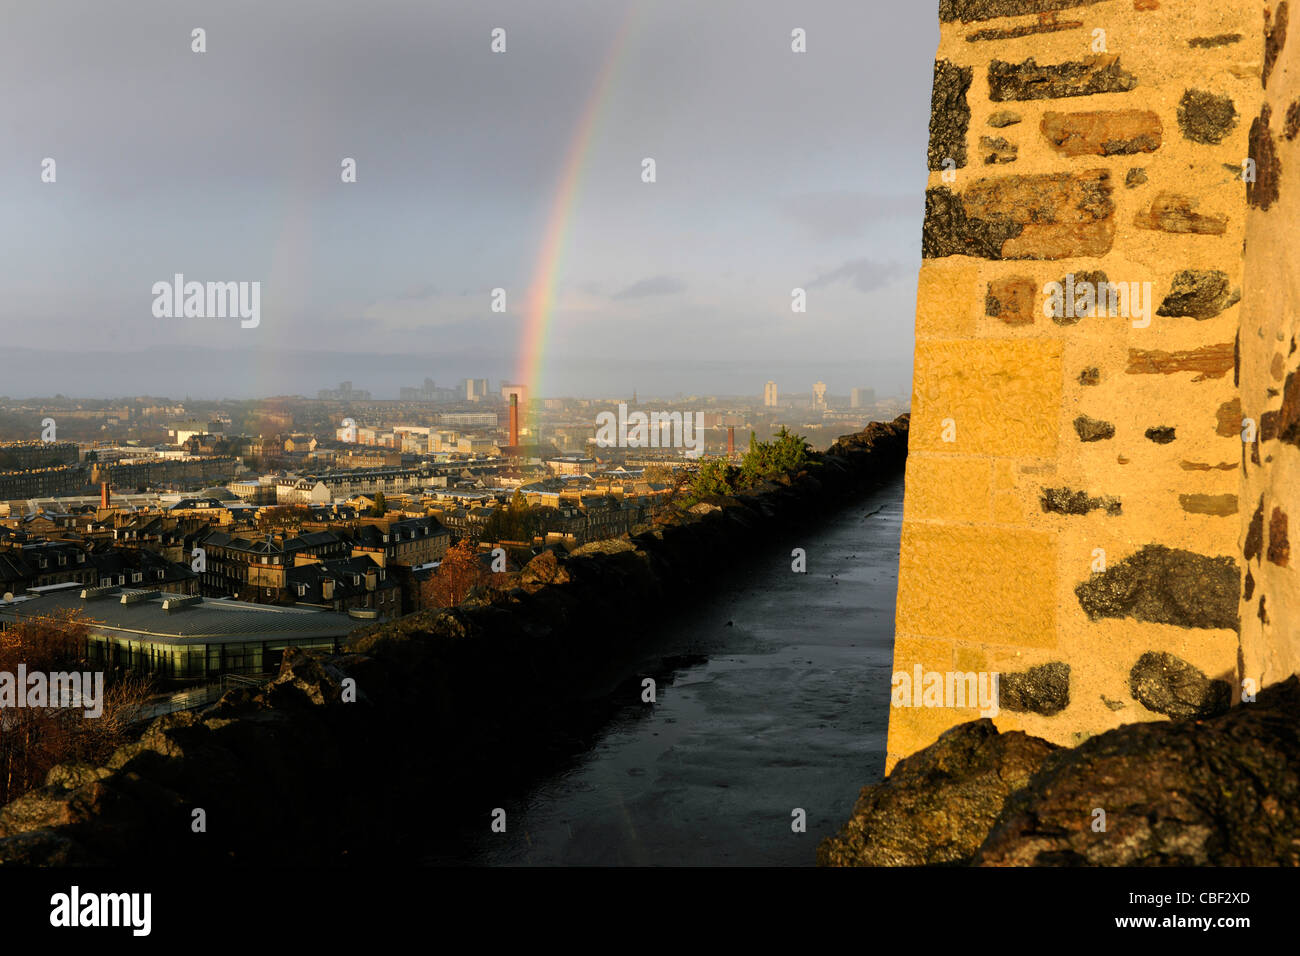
{"x":1270,"y":370}
{"x":1075,"y":512}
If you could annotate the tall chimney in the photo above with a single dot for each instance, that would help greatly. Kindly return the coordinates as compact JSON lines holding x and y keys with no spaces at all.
{"x":103,"y":495}
{"x":731,"y":441}
{"x":514,"y":418}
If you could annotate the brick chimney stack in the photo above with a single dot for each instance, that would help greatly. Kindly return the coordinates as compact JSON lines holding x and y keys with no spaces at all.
{"x":514,"y":419}
{"x":731,"y":441}
{"x":103,"y":495}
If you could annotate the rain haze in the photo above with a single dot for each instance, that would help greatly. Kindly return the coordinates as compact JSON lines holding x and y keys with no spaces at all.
{"x":774,"y":170}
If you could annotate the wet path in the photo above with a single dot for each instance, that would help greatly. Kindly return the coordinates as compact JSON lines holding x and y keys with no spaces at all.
{"x":778,"y":699}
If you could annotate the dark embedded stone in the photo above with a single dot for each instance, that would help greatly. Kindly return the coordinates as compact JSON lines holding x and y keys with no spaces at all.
{"x":996,"y":150}
{"x":1206,"y":118}
{"x":1248,"y":591}
{"x":1222,"y":39}
{"x":1268,"y":423}
{"x":1029,"y":81}
{"x":968,"y":11}
{"x":949,"y":114}
{"x":1093,"y":429}
{"x":1199,"y":293}
{"x":948,"y":231}
{"x":1063,"y":501}
{"x":1046,"y":216}
{"x":1162,"y":435}
{"x":1171,"y":686}
{"x":1090,"y":376}
{"x":1274,"y":39}
{"x":1279,"y":547}
{"x":1228,"y":418}
{"x":1040,"y":690}
{"x":1011,"y":299}
{"x":1003,"y":118}
{"x":1263,"y":192}
{"x":1209,"y":361}
{"x":1292,"y":125}
{"x":1103,"y":132}
{"x":1098,"y":280}
{"x":1288,"y":416}
{"x":1221,"y":505}
{"x":1165,"y":586}
{"x":958,"y":807}
{"x":1112,"y":704}
{"x":1254,"y":546}
{"x":1023,"y":30}
{"x":1172,"y":212}
{"x":1136,"y":177}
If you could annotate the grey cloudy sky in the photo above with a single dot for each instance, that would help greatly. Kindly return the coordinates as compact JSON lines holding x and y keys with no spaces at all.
{"x":775,"y":170}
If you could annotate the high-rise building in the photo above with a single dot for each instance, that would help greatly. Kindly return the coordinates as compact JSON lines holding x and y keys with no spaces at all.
{"x":476,"y":389}
{"x":429,"y":393}
{"x":769,"y":395}
{"x":819,"y":395}
{"x":344,"y":393}
{"x":862,"y":397}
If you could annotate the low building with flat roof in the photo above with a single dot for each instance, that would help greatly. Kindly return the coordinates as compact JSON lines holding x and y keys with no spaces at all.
{"x":180,"y":637}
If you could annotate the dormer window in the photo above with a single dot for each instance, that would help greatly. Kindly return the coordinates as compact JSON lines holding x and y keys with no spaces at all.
{"x":161,"y":574}
{"x":136,"y":577}
{"x":302,"y":590}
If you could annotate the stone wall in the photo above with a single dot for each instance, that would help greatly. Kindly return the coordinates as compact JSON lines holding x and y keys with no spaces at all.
{"x":1270,"y":369}
{"x":1072,"y":518}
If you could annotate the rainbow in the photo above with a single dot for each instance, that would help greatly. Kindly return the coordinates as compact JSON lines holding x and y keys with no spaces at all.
{"x":539,"y":306}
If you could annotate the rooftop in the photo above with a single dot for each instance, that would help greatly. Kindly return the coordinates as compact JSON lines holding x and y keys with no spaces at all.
{"x":200,"y":621}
